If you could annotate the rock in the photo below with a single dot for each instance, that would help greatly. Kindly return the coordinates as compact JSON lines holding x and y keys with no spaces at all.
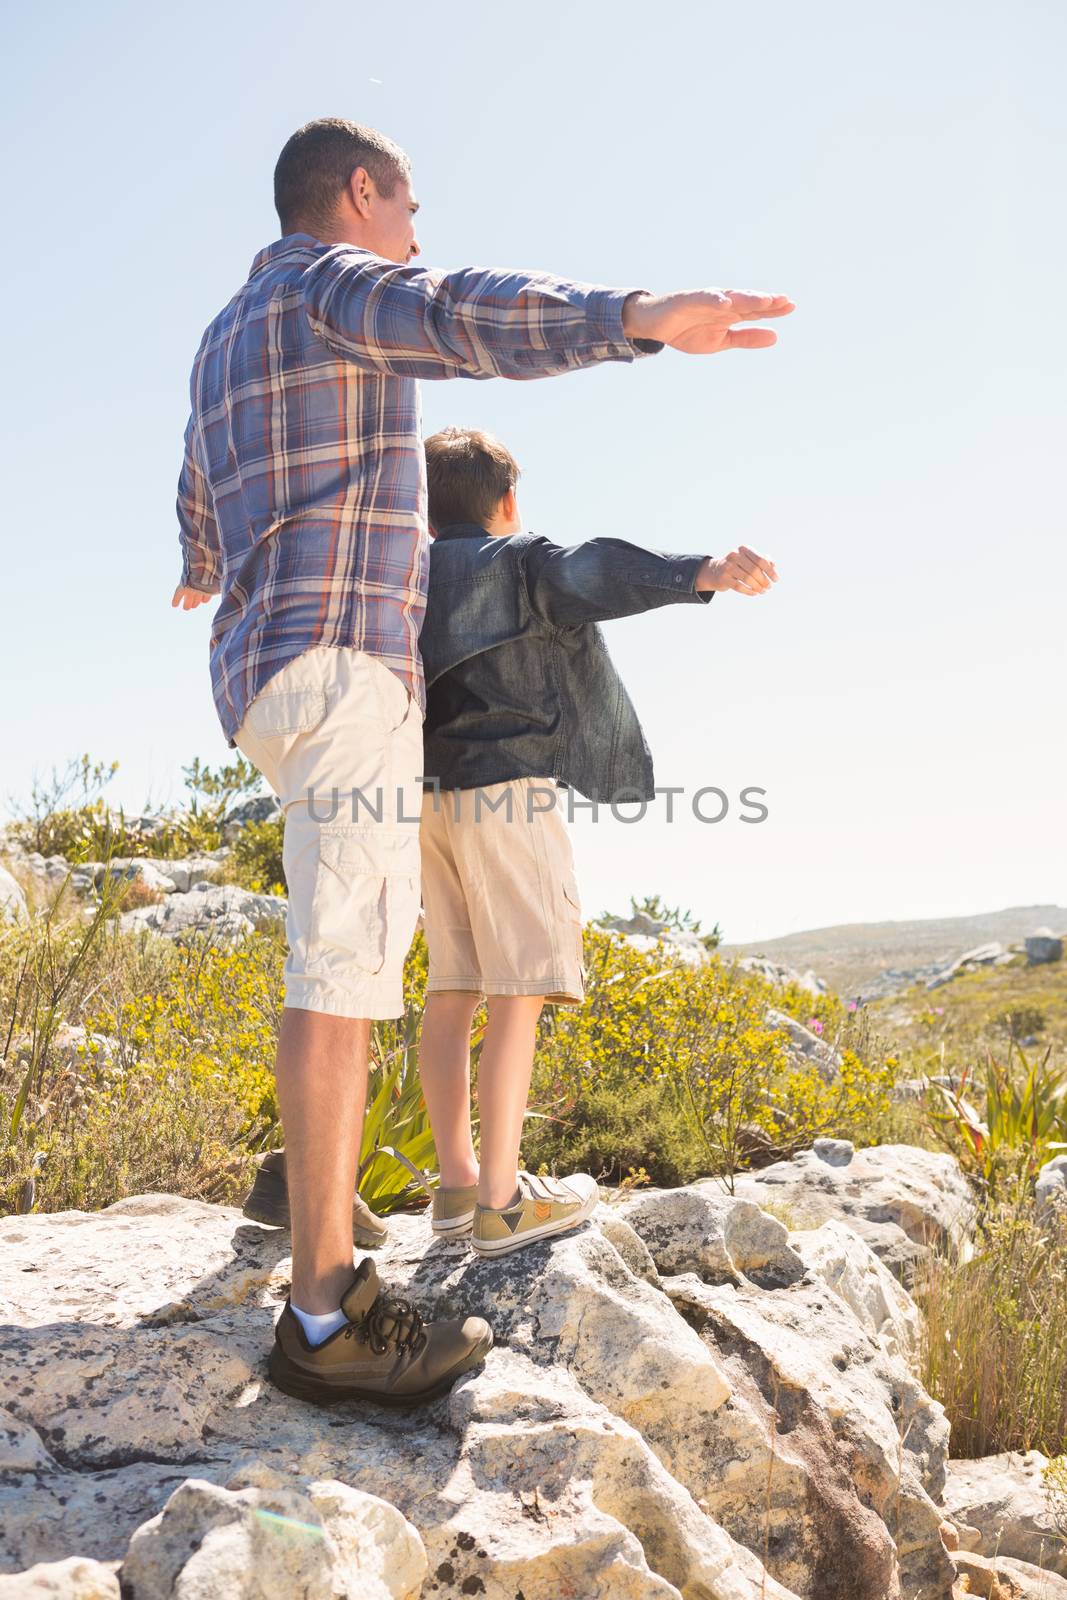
{"x":13,"y":907}
{"x":616,"y":1443}
{"x":993,"y":954}
{"x":803,"y":1046}
{"x":631,"y":1247}
{"x":145,"y":1367}
{"x":1043,"y":946}
{"x":72,"y":1038}
{"x":1003,"y":1502}
{"x":702,"y":1229}
{"x":1003,"y":1578}
{"x":776,"y":973}
{"x":1050,"y":1188}
{"x":647,"y":933}
{"x":223,"y":910}
{"x":829,"y":1454}
{"x":271,"y":1541}
{"x":73,"y":1579}
{"x":900,"y":1199}
{"x":261,"y":808}
{"x":184,"y":871}
{"x":837,"y":1256}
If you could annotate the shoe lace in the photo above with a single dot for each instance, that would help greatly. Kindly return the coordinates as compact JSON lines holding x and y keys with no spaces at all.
{"x":389,"y":1321}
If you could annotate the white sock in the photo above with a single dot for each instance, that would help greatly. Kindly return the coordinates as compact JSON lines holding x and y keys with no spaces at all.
{"x":318,"y":1328}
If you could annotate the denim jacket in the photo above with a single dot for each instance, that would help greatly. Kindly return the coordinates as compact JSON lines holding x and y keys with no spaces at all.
{"x":518,"y":677}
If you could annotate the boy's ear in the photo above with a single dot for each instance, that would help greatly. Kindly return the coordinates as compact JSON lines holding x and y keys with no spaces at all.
{"x":507,"y":505}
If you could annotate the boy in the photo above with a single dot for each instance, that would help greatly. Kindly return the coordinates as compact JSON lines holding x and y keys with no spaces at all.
{"x":522,"y":697}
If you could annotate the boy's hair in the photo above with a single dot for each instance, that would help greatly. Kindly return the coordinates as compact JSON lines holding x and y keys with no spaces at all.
{"x":314,"y":168}
{"x":468,"y":473}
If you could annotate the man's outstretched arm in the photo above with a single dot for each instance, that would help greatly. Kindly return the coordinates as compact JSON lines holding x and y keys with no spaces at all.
{"x":480,"y":323}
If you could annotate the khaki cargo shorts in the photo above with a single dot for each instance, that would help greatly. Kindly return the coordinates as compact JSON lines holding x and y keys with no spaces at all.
{"x":329,"y":728}
{"x":499,"y":893}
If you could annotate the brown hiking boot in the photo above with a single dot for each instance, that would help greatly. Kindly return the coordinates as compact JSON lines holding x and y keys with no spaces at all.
{"x":385,"y":1353}
{"x":269,"y":1203}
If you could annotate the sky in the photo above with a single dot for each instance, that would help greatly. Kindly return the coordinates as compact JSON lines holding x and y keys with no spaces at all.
{"x":899,"y":695}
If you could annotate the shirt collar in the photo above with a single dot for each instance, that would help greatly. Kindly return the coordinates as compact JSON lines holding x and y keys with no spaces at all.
{"x":292,"y":246}
{"x":462,"y":530}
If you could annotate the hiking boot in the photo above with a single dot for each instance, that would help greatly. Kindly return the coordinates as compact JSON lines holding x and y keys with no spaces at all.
{"x":384,"y":1353}
{"x":545,"y":1206}
{"x":269,"y":1203}
{"x":453,"y":1211}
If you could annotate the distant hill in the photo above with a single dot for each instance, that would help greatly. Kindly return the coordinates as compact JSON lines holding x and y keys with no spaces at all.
{"x":853,"y":954}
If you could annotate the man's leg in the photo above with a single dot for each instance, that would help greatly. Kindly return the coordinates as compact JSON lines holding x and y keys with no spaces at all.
{"x":504,"y":1070}
{"x":322,"y":1087}
{"x":445,"y":1071}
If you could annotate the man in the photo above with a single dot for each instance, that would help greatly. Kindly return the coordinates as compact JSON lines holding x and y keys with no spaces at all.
{"x":302,"y":504}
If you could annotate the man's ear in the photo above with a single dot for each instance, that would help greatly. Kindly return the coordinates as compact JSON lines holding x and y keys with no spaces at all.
{"x":508,"y":505}
{"x":360,"y":191}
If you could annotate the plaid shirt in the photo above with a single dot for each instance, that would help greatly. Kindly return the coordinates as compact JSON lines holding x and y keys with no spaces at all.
{"x":302,"y":497}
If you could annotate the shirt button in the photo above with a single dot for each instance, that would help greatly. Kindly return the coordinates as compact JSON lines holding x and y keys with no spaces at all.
{"x":677,"y":577}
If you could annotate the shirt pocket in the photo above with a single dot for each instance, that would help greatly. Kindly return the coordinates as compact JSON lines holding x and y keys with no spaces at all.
{"x":365,"y":901}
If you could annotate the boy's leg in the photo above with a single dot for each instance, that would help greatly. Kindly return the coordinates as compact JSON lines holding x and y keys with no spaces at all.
{"x":445,"y":1071}
{"x":504,"y":1069}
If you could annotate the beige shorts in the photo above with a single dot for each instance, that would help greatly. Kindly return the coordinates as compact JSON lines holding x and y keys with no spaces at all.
{"x":499,"y":893}
{"x":338,"y":737}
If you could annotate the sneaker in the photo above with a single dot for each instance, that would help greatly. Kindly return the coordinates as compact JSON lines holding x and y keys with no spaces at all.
{"x":268,"y":1203}
{"x":384,"y":1353}
{"x":545,"y":1206}
{"x":453,"y":1211}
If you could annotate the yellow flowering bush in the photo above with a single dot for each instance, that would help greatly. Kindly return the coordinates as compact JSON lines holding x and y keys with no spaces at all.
{"x":680,"y":1065}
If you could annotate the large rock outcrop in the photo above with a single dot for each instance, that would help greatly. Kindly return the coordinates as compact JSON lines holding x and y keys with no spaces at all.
{"x":753,"y":1433}
{"x":903,"y":1201}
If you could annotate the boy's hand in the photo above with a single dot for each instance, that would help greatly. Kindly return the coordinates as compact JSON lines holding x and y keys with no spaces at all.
{"x":189,"y":599}
{"x":742,"y":570}
{"x":700,"y":322}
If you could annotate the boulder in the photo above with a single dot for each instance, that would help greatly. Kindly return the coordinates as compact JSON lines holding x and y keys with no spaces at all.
{"x":1050,"y":1188}
{"x":13,"y":906}
{"x":223,"y":910}
{"x":260,"y":808}
{"x":776,"y":973}
{"x":845,"y":1263}
{"x":829,"y":1456}
{"x":269,"y":1541}
{"x":1043,"y":946}
{"x":900,"y":1199}
{"x":803,"y":1046}
{"x":700,"y":1228}
{"x":145,"y":1368}
{"x":1002,"y":1508}
{"x":73,"y":1579}
{"x":1003,"y":1578}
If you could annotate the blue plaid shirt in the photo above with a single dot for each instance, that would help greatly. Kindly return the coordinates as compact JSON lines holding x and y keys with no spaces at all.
{"x":302,"y":497}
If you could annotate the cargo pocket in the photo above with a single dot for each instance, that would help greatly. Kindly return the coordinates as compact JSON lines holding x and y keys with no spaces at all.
{"x":365,"y":879}
{"x":574,"y":911}
{"x":276,"y":713}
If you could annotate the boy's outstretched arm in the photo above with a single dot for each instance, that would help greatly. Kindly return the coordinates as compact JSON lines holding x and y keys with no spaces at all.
{"x":605,"y":578}
{"x":484,"y":323}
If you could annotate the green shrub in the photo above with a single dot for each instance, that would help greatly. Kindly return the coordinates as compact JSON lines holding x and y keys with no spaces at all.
{"x":256,"y":859}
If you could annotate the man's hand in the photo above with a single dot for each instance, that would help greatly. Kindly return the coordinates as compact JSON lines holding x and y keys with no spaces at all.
{"x":701,"y":322}
{"x":742,"y":570}
{"x":189,"y":599}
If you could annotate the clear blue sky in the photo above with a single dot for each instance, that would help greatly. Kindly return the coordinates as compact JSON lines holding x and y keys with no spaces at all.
{"x":895,"y":169}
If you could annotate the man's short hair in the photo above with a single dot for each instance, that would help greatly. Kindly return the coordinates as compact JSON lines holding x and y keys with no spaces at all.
{"x":314,"y":168}
{"x":468,"y":473}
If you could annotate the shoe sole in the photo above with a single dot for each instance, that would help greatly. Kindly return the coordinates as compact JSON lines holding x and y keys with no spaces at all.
{"x":318,"y":1394}
{"x":268,"y":1204}
{"x":454,"y":1227}
{"x":547,"y":1230}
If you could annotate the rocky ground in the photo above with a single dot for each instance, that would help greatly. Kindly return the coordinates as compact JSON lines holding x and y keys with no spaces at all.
{"x":689,"y":1397}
